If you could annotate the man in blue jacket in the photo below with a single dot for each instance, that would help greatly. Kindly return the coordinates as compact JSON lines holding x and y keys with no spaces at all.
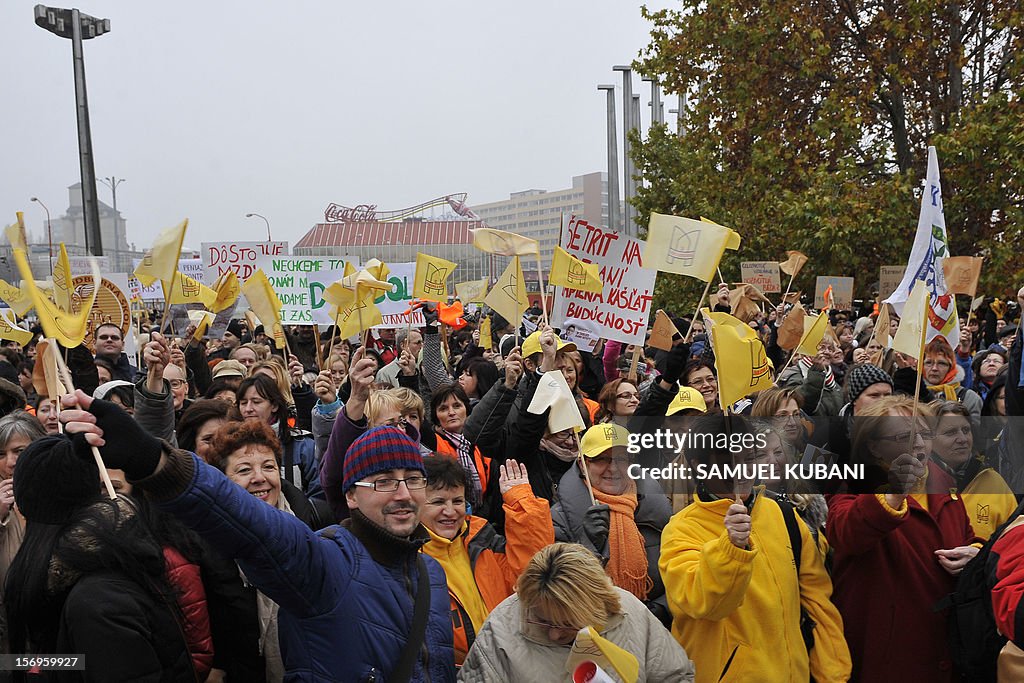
{"x":346,"y":594}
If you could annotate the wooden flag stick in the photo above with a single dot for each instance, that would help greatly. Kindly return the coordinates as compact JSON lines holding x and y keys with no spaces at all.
{"x":637,"y":351}
{"x":696,"y":312}
{"x":319,"y":347}
{"x":70,"y":387}
{"x":920,"y":369}
{"x":583,"y":467}
{"x":543,"y":297}
{"x":334,"y":334}
{"x":789,"y":286}
{"x":167,"y":303}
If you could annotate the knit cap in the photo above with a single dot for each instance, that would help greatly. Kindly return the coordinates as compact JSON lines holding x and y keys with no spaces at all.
{"x":863,"y":376}
{"x":52,"y":481}
{"x":379,"y":450}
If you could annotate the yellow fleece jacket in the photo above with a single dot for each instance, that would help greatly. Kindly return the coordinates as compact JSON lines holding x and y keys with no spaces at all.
{"x":454,"y":558}
{"x":989,"y":502}
{"x":744,"y":604}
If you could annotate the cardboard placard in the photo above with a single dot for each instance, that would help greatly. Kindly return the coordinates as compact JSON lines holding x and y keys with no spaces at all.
{"x":762,"y":274}
{"x":842,"y":291}
{"x":889,"y":278}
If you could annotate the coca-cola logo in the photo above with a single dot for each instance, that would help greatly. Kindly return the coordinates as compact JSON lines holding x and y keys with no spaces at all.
{"x":345,"y":214}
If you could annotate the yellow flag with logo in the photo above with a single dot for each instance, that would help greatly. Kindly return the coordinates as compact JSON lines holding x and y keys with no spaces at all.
{"x":17,"y":298}
{"x":687,"y":247}
{"x":357,"y":316}
{"x":161,"y":261}
{"x":9,"y":329}
{"x":508,"y":295}
{"x":569,"y":271}
{"x":185,"y":290}
{"x":503,"y":243}
{"x":815,"y":330}
{"x":740,"y":358}
{"x":67,"y":327}
{"x":62,"y":280}
{"x":473,"y":291}
{"x":590,"y":646}
{"x":265,"y":304}
{"x":228,"y":290}
{"x":202,"y":320}
{"x":431,"y":279}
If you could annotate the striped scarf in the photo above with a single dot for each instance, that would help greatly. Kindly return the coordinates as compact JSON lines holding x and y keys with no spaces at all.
{"x":464,"y":449}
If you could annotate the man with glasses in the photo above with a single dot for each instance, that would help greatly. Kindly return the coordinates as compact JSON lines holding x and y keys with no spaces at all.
{"x":109,"y":344}
{"x":348,"y":595}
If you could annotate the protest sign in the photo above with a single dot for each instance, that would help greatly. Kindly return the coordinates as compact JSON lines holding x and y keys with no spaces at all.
{"x":300,"y":281}
{"x":762,"y":274}
{"x":111,"y":305}
{"x":621,"y":310}
{"x":842,"y":291}
{"x":240,"y":257}
{"x":889,"y":278}
{"x":193,"y":267}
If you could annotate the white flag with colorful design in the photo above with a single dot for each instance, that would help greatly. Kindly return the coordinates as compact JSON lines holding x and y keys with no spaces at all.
{"x":925,"y":264}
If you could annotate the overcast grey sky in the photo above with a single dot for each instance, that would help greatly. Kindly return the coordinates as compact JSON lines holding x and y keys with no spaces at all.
{"x":211,"y":110}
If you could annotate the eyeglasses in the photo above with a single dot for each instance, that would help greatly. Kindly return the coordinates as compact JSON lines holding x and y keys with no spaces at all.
{"x":177,"y":383}
{"x":938,"y":363}
{"x":391,"y":485}
{"x":606,"y":460}
{"x":397,"y":422}
{"x":709,"y":381}
{"x":109,"y":337}
{"x":626,"y":395}
{"x":905,"y":437}
{"x":546,"y":625}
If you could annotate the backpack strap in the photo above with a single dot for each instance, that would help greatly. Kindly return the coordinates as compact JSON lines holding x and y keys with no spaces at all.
{"x":406,"y":665}
{"x":792,"y":528}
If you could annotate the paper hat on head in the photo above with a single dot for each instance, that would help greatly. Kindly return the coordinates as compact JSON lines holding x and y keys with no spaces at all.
{"x":600,"y":438}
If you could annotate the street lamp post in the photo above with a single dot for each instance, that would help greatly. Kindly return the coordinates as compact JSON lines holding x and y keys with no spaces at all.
{"x":613,"y":161}
{"x":112,"y":182}
{"x":70,"y":23}
{"x":628,"y":184}
{"x":49,"y":232}
{"x":256,"y":215}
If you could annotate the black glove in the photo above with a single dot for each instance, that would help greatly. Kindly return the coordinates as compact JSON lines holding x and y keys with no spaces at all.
{"x":128,"y":446}
{"x":430,"y":313}
{"x":595,"y":524}
{"x":675,"y":363}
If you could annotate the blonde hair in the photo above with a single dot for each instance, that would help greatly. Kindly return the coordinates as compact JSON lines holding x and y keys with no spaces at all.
{"x":410,"y":400}
{"x":262,"y":351}
{"x":868,"y":421}
{"x":280,"y":370}
{"x":568,"y":583}
{"x":377,"y":403}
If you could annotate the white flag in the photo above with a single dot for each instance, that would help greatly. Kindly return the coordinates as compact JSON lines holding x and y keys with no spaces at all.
{"x":930,"y":247}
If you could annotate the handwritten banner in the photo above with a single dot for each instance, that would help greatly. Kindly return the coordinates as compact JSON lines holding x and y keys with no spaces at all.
{"x":240,"y":257}
{"x":762,"y":274}
{"x":842,"y":291}
{"x":889,"y":278}
{"x":621,"y":310}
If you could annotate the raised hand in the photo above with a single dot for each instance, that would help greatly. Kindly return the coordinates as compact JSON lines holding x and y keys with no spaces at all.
{"x":407,"y":363}
{"x":737,"y":524}
{"x":513,"y":368}
{"x":324,"y":388}
{"x":295,"y":370}
{"x":510,"y":475}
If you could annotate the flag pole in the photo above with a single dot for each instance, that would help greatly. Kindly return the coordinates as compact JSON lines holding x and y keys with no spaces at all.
{"x":583,"y":466}
{"x":167,"y":303}
{"x":543,"y":294}
{"x":319,"y":346}
{"x":789,"y":286}
{"x":920,"y":367}
{"x":696,"y":311}
{"x":70,"y":387}
{"x":334,"y":333}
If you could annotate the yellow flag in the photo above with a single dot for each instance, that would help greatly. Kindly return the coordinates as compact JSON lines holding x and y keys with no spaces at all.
{"x":68,"y":328}
{"x":508,"y":295}
{"x":795,"y":260}
{"x":374,"y":267}
{"x":228,"y":290}
{"x":9,"y":329}
{"x":962,"y":273}
{"x":16,"y":232}
{"x":592,"y":647}
{"x":265,"y":304}
{"x":202,"y":320}
{"x":17,"y":298}
{"x":45,"y":374}
{"x":814,"y":332}
{"x":161,"y":261}
{"x":185,"y":290}
{"x":553,"y":392}
{"x":472,"y":291}
{"x":485,"y":334}
{"x":504,"y":243}
{"x":733,"y":241}
{"x":791,"y":331}
{"x":356,"y":317}
{"x":687,"y":247}
{"x":739,"y":358}
{"x":431,"y":280}
{"x":910,"y":334}
{"x":569,"y":271}
{"x":62,"y":280}
{"x":662,"y":332}
{"x":881,"y":333}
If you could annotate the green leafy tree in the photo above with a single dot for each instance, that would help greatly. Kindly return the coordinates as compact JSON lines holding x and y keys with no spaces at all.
{"x":806,"y":126}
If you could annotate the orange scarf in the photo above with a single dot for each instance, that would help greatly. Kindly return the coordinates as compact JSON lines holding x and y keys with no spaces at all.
{"x":627,"y":556}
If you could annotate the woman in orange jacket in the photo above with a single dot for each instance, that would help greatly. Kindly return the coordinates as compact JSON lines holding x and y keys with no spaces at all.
{"x":482,"y":567}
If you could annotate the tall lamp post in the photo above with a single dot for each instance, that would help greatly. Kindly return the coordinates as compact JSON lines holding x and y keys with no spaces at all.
{"x":49,"y":232}
{"x":70,"y":23}
{"x":628,"y":184}
{"x":112,"y":182}
{"x":613,"y":161}
{"x":256,"y":215}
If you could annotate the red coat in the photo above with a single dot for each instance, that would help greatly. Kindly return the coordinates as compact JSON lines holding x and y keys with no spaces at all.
{"x":887,"y":579}
{"x":185,"y":578}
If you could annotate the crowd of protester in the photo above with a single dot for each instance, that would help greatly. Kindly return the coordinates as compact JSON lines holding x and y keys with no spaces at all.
{"x":389,"y":508}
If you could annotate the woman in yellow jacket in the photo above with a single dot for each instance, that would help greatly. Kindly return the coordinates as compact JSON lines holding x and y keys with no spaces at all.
{"x":987,"y":497}
{"x":482,"y":567}
{"x":731,"y":580}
